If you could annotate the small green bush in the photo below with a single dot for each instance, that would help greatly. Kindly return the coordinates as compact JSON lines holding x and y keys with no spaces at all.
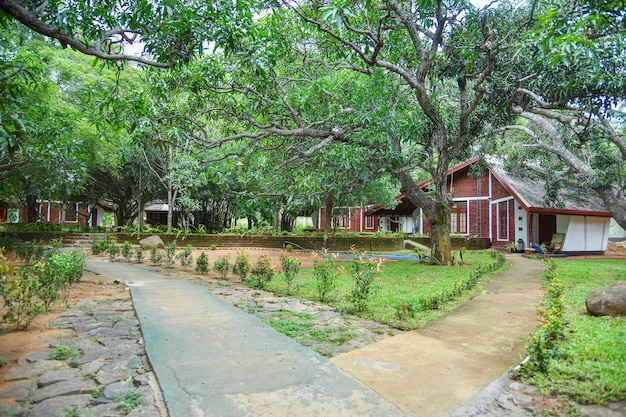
{"x":262,"y":273}
{"x":241,"y":267}
{"x":127,"y":251}
{"x":139,"y":254}
{"x":113,"y":251}
{"x":325,"y":271}
{"x":185,"y":258}
{"x":362,"y":271}
{"x":290,"y":267}
{"x":101,"y":245}
{"x":156,"y":256}
{"x":170,"y":253}
{"x":222,"y":266}
{"x":19,"y":293}
{"x":202,"y":264}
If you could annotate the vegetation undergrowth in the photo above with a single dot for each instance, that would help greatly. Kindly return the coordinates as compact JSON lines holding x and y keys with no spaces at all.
{"x":31,"y":290}
{"x":572,"y":353}
{"x":398,"y":283}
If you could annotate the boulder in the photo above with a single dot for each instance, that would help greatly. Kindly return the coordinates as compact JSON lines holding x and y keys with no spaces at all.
{"x":148,"y":242}
{"x":608,"y":301}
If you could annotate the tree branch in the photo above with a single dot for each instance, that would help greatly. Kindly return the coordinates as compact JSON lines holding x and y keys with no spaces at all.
{"x":30,"y":20}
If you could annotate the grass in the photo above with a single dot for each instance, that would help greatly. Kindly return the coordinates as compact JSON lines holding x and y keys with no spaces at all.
{"x":301,"y":328}
{"x":397,"y":282}
{"x":591,"y":368}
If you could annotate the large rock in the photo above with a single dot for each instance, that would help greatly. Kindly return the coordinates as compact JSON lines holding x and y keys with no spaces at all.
{"x":608,"y":301}
{"x":148,"y":242}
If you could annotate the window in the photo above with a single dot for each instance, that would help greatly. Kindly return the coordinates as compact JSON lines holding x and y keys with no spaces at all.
{"x":343,"y":221}
{"x":369,"y":222}
{"x":458,"y":217}
{"x":71,"y":214}
{"x":503,"y":220}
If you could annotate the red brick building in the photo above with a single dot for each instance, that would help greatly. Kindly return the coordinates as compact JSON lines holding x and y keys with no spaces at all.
{"x":55,"y":213}
{"x":506,"y":207}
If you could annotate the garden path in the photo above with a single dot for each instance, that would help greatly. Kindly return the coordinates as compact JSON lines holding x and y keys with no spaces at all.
{"x":435,"y":370}
{"x":212,"y":359}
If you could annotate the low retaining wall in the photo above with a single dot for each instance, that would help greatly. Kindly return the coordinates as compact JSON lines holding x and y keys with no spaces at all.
{"x":341,"y":243}
{"x":458,"y":242}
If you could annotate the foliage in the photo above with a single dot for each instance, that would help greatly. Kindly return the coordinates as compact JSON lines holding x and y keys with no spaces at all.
{"x":19,"y":292}
{"x":262,"y":273}
{"x":156,"y":256}
{"x":299,"y":327}
{"x":185,"y":258}
{"x":241,"y":267}
{"x":222,"y":266}
{"x":399,"y":282}
{"x":139,"y":254}
{"x":326,"y":272}
{"x":130,"y":402}
{"x":202,"y":264}
{"x":127,"y":250}
{"x":362,"y":271}
{"x":57,"y":274}
{"x":290,"y":267}
{"x":113,"y":250}
{"x":101,"y":245}
{"x":574,"y":354}
{"x":170,"y":253}
{"x":65,"y":353}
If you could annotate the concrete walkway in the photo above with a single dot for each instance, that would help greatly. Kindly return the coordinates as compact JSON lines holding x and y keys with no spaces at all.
{"x":434,"y":370}
{"x":211,"y":359}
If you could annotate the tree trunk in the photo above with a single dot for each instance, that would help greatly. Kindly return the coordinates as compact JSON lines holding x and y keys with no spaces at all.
{"x":31,"y":209}
{"x":615,"y":202}
{"x":328,"y":217}
{"x":437,"y":212}
{"x":170,"y":204}
{"x":440,"y":233}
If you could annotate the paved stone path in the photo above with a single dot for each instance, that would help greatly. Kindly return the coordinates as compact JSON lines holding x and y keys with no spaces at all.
{"x":212,"y":359}
{"x":107,"y":361}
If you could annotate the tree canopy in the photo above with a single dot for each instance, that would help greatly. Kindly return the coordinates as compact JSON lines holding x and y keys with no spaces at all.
{"x":280,"y":107}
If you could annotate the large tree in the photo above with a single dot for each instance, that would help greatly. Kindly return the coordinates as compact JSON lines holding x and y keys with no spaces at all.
{"x":398,"y":83}
{"x":567,"y":91}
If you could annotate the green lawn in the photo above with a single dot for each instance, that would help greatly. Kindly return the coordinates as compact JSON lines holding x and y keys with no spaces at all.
{"x":397,"y":282}
{"x":591,"y":366}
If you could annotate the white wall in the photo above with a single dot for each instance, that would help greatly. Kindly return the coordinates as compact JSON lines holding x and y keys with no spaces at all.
{"x":521,"y":226}
{"x":585,"y":233}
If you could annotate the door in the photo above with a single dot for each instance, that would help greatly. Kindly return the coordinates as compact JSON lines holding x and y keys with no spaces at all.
{"x":547,"y":227}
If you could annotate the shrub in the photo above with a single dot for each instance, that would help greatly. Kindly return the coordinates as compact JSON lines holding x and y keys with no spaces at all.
{"x":19,"y":293}
{"x":241,"y":267}
{"x":170,"y":252}
{"x":362,"y":271}
{"x":101,"y":245}
{"x":290,"y":267}
{"x":139,"y":254}
{"x":222,"y":266}
{"x":213,"y":247}
{"x":202,"y":264}
{"x":325,"y":272}
{"x":185,"y":258}
{"x":127,"y":250}
{"x":156,"y":256}
{"x":113,"y":251}
{"x":262,"y":273}
{"x":57,"y":274}
{"x":289,"y":247}
{"x":544,"y":345}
